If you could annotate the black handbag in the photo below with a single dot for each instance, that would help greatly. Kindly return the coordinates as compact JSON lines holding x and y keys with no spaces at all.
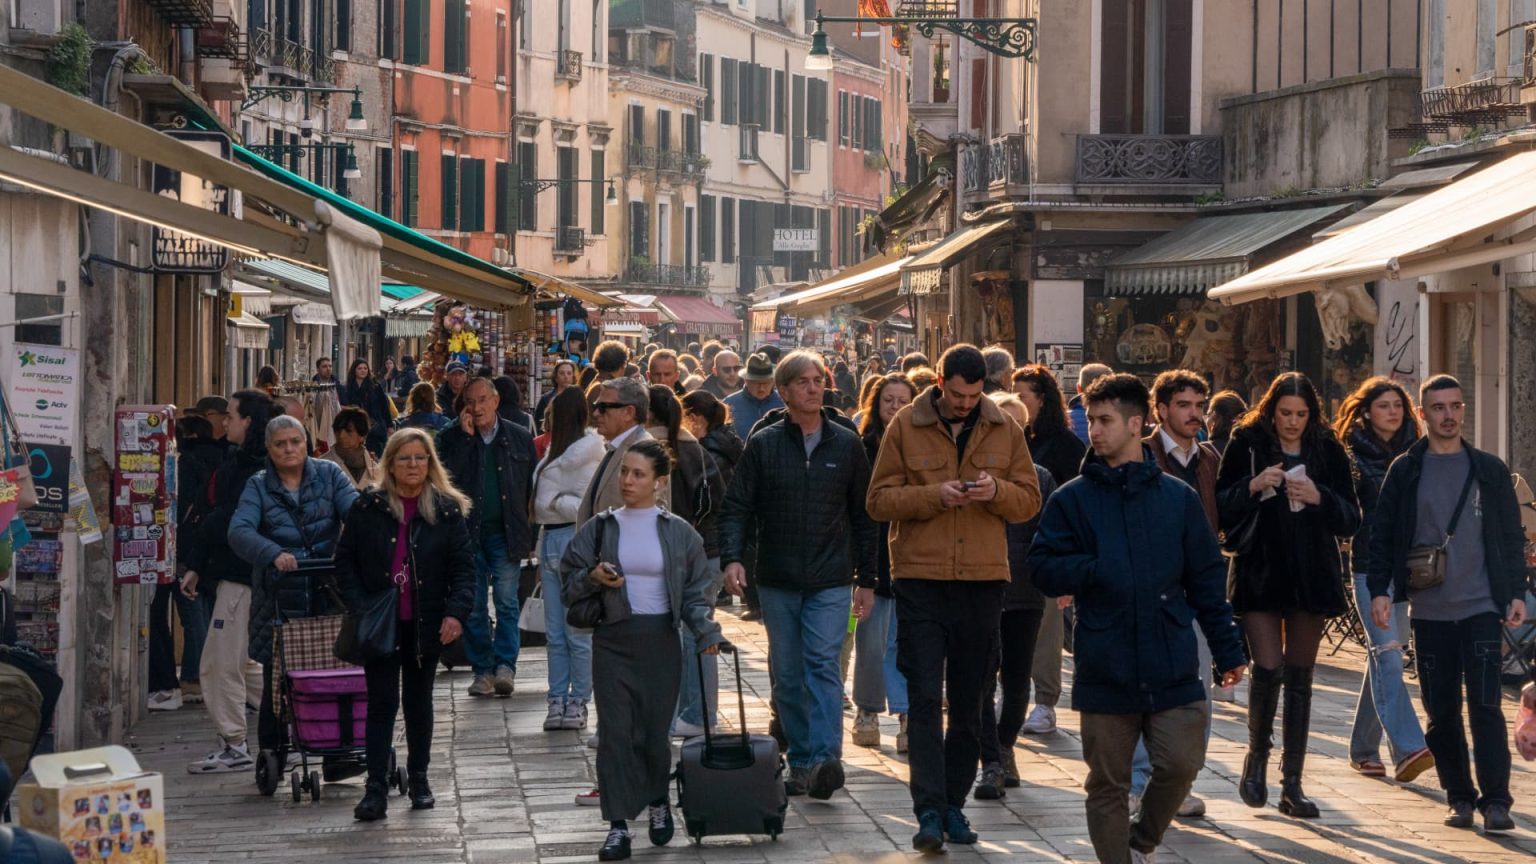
{"x":587,"y":613}
{"x":1242,"y":537}
{"x":371,"y":632}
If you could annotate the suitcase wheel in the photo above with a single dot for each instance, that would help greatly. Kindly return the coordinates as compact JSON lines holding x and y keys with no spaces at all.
{"x":695,"y":830}
{"x":401,"y":779}
{"x":268,"y":772}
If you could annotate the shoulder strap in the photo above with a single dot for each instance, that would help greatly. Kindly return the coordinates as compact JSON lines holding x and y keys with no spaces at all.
{"x":1450,"y":530}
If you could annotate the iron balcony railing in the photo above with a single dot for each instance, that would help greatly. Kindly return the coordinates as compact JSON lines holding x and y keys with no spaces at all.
{"x":269,"y":49}
{"x":640,"y":155}
{"x":1180,"y":159}
{"x":569,"y":238}
{"x":675,"y":275}
{"x":568,"y":64}
{"x":1003,"y":160}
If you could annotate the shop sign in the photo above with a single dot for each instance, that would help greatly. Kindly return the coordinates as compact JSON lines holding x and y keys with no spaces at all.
{"x":44,"y":389}
{"x":795,"y":239}
{"x":50,"y":475}
{"x":787,"y":326}
{"x":176,"y":252}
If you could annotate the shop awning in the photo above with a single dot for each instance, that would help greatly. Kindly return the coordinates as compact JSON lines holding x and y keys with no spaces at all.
{"x":626,"y":329}
{"x":1206,"y":252}
{"x":406,"y":328}
{"x":317,"y":314}
{"x":1379,"y":207}
{"x":916,"y":206}
{"x":247,"y":331}
{"x":1448,"y":229}
{"x":547,"y":284}
{"x":859,"y":282}
{"x":698,"y":315}
{"x":963,"y":240}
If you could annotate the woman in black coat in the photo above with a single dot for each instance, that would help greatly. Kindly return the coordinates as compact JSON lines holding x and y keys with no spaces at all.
{"x":362,"y":391}
{"x":1286,"y":469}
{"x":1052,"y":444}
{"x":408,"y":534}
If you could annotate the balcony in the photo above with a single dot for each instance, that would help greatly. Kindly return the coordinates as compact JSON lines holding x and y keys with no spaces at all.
{"x":690,"y":165}
{"x":184,"y":13}
{"x":640,"y":156}
{"x":1003,"y":161}
{"x":643,"y":272}
{"x":1193,"y":160}
{"x":568,"y":65}
{"x":275,"y":54}
{"x":570,"y":241}
{"x":635,"y":14}
{"x":1475,"y":103}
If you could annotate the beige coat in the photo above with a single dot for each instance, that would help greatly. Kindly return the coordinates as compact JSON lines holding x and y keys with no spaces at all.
{"x":603,"y":494}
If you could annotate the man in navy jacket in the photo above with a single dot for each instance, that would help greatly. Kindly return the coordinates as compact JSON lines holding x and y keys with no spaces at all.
{"x":1134,"y":548}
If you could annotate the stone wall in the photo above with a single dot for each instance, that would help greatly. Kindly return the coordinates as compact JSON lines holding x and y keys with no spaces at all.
{"x":1312,"y":136}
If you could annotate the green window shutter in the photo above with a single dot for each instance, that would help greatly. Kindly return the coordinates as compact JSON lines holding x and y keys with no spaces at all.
{"x":599,"y":192}
{"x":410,"y":185}
{"x":449,"y":197}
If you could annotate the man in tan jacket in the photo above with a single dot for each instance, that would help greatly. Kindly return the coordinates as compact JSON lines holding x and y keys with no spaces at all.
{"x":952,"y":472}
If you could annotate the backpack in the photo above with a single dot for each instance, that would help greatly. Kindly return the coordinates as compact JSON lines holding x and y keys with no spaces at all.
{"x":21,"y":720}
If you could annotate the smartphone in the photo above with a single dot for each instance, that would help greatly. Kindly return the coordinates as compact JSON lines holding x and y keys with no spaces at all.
{"x":968,"y":485}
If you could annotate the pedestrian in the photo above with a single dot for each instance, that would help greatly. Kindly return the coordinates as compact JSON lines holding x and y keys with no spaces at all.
{"x":362,"y":391}
{"x":1079,"y":418}
{"x":290,"y":511}
{"x":801,"y":484}
{"x":1287,"y":471}
{"x":422,"y":411}
{"x":710,"y":422}
{"x":559,"y":482}
{"x":999,"y":369}
{"x":756,"y":397}
{"x":509,"y":403}
{"x":324,"y":372}
{"x":230,"y":679}
{"x":407,"y":532}
{"x":846,"y":386}
{"x":455,"y":377}
{"x":391,"y":378}
{"x":407,"y":379}
{"x":562,"y":376}
{"x":663,"y":370}
{"x":1052,"y":446}
{"x":877,"y":684}
{"x":610,"y":359}
{"x":491,"y":460}
{"x":914,"y":360}
{"x":952,"y":472}
{"x":267,"y":381}
{"x":1133,"y":545}
{"x":350,"y":453}
{"x":1377,"y":425}
{"x":648,"y":565}
{"x":1226,"y":408}
{"x":1446,"y":535}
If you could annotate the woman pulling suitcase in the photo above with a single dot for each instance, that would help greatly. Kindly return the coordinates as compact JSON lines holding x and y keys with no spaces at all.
{"x":635,"y":572}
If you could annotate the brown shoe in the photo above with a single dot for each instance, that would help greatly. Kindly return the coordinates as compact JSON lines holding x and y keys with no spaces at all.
{"x":1413,"y":765}
{"x":866,"y":729}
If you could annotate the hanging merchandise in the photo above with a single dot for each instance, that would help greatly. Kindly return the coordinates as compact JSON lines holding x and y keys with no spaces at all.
{"x":144,"y":495}
{"x":463,"y":340}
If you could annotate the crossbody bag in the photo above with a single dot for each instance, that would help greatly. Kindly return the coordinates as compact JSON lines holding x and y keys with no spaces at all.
{"x":1426,"y":564}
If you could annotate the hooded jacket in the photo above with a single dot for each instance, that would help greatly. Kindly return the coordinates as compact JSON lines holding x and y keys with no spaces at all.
{"x":207,"y":551}
{"x":559,"y":483}
{"x":1132,"y":546}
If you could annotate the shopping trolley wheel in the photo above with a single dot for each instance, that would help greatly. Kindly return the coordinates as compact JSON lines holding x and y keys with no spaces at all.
{"x":297,"y":787}
{"x":268,"y":772}
{"x":400,"y":779}
{"x":314,"y":786}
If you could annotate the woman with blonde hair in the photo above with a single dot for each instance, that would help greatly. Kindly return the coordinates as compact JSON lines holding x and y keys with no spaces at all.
{"x":407,"y":533}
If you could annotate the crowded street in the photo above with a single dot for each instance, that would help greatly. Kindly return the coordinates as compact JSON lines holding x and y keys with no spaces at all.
{"x":506,"y":790}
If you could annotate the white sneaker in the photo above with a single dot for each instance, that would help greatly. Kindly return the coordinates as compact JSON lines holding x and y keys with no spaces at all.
{"x":1140,"y":857}
{"x":589,"y":798}
{"x":1192,"y":808}
{"x":556,"y":715}
{"x":165,"y":700}
{"x":684,"y":729}
{"x":230,"y":758}
{"x":1133,"y":804}
{"x":1041,"y":721}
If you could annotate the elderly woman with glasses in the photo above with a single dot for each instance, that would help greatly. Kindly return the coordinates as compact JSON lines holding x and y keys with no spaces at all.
{"x":407,"y":533}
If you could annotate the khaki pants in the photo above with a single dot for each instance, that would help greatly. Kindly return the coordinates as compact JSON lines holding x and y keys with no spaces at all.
{"x":1046,"y":670}
{"x":230,"y":678}
{"x":1175,"y":742}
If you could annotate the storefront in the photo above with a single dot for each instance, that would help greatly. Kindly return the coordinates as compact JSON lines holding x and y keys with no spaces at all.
{"x":841,"y":314}
{"x":696,"y":319}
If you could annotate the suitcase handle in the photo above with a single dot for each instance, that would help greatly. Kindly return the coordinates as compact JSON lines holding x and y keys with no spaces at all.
{"x":741,"y":699}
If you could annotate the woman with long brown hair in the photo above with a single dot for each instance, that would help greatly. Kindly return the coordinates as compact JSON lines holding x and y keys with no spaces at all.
{"x":1377,"y":424}
{"x":1285,"y":498}
{"x":559,"y":481}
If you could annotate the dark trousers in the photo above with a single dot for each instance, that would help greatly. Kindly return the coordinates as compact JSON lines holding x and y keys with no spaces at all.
{"x":1451,"y":654}
{"x":193,"y":615}
{"x":1012,"y":662}
{"x":270,"y":733}
{"x":945,"y":644}
{"x":1176,"y":747}
{"x":394,"y":683}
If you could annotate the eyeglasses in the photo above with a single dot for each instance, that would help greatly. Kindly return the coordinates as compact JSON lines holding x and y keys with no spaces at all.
{"x":600,"y":407}
{"x":414,"y":457}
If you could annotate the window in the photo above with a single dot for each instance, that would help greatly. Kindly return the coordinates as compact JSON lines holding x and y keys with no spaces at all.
{"x":450,"y":192}
{"x":663,"y":130}
{"x":727,"y":230}
{"x":873,"y":133}
{"x":691,"y":134}
{"x":746,"y":91}
{"x":389,"y":40}
{"x":455,"y":59}
{"x":778,"y":101}
{"x":856,"y":121}
{"x":40,"y":306}
{"x":568,"y":204}
{"x":384,"y":181}
{"x":706,"y":228}
{"x":707,"y":81}
{"x":501,"y":46}
{"x":598,"y":35}
{"x":410,"y":193}
{"x":823,"y":237}
{"x":816,"y":109}
{"x":639,"y":234}
{"x":1145,"y":55}
{"x":503,"y":198}
{"x":418,"y":32}
{"x":524,"y":22}
{"x":527,"y":201}
{"x":599,"y":191}
{"x":800,"y":152}
{"x":842,"y":118}
{"x":728,"y":84}
{"x":688,"y":236}
{"x":344,"y":25}
{"x":637,"y":124}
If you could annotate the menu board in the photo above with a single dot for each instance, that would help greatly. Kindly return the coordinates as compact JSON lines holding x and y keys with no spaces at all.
{"x":144,"y":495}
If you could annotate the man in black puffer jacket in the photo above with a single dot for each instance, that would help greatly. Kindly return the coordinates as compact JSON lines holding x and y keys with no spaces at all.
{"x":801,"y":483}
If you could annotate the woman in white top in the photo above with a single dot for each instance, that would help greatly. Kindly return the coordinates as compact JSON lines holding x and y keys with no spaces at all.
{"x":648,"y":569}
{"x":559,"y":481}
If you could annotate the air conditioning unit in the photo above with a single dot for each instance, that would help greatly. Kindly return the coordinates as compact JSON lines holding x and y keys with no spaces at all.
{"x":34,"y":18}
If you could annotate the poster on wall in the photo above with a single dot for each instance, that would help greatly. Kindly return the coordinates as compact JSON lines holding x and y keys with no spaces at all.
{"x":144,"y":495}
{"x":1064,"y":360}
{"x":50,"y":466}
{"x":44,"y":387}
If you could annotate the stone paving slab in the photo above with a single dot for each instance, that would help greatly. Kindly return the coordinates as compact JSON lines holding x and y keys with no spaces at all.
{"x":505,"y":788}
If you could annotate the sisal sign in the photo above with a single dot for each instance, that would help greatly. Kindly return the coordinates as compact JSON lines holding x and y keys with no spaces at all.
{"x":44,"y":385}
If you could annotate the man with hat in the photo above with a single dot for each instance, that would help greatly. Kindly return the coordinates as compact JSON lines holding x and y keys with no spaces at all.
{"x":214,"y":409}
{"x":756,"y":398}
{"x":455,"y":376}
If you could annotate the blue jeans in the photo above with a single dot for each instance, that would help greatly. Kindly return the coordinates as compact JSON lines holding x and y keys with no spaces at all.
{"x":805,"y":639}
{"x":498,"y":573}
{"x":690,"y":702}
{"x":1384,"y":701}
{"x":873,"y":652}
{"x":895,"y":682}
{"x":570,"y":651}
{"x":1141,"y":763}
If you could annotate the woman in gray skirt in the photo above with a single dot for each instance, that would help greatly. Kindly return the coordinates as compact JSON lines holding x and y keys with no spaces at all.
{"x":649,"y":569}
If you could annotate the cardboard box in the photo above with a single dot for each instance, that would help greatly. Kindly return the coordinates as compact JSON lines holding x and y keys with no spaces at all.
{"x":99,"y":804}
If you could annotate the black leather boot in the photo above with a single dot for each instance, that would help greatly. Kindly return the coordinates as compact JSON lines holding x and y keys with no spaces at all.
{"x":375,"y":803}
{"x":1296,"y":724}
{"x":419,"y":792}
{"x":1263,"y":698}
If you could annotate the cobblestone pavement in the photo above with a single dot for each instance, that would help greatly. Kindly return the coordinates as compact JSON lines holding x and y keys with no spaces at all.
{"x":505,"y":788}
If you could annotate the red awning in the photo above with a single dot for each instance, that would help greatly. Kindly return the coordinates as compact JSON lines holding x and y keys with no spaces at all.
{"x":699,"y":315}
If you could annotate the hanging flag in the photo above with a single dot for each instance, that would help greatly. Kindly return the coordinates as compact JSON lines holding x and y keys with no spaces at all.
{"x":871,"y":9}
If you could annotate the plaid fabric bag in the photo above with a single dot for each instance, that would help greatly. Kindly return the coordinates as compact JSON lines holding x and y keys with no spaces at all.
{"x":302,"y":645}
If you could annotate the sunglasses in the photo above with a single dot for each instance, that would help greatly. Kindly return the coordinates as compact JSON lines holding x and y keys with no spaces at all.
{"x":600,"y":407}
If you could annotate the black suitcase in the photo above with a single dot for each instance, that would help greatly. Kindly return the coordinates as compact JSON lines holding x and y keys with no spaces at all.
{"x":731,"y":784}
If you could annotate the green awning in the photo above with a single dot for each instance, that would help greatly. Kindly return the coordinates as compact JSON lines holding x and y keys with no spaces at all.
{"x":915,"y":207}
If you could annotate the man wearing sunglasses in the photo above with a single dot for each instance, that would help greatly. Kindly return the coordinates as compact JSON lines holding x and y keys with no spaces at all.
{"x":619,"y":415}
{"x":726,"y":377}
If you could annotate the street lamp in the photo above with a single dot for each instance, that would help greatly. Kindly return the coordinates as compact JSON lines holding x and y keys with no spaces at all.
{"x":355,"y":120}
{"x":537,"y":185}
{"x":351,"y":171}
{"x":1005,"y":37}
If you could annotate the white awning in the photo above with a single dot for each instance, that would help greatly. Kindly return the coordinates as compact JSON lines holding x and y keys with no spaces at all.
{"x":247,"y":331}
{"x":318,"y":314}
{"x":1448,"y":229}
{"x":859,"y":282}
